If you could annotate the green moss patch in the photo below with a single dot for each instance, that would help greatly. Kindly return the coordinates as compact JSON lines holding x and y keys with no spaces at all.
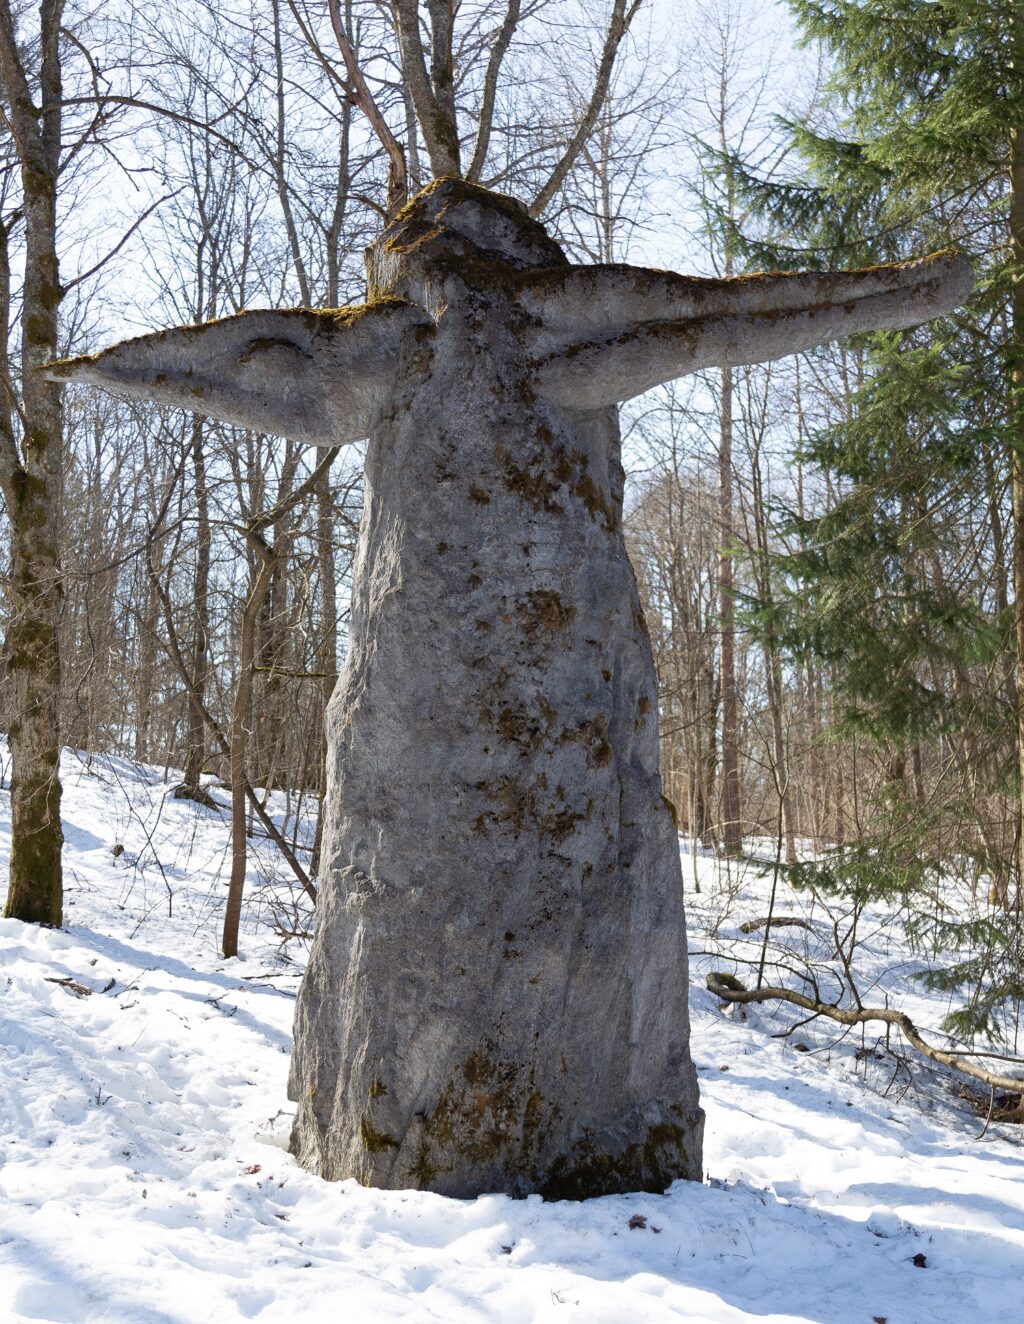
{"x":374,"y":1141}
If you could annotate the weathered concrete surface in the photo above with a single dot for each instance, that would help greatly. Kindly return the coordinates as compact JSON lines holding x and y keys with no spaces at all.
{"x":496,"y":995}
{"x":496,"y":998}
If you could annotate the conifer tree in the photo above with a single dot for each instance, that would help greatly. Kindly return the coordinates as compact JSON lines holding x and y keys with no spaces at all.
{"x":921,"y":144}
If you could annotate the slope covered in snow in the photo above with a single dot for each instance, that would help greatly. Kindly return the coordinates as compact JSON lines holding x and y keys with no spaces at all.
{"x":143,"y":1122}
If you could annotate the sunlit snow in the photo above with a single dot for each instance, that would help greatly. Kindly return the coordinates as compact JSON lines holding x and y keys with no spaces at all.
{"x":144,"y":1175}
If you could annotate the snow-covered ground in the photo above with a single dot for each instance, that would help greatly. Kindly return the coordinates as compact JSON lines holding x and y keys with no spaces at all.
{"x":144,"y":1175}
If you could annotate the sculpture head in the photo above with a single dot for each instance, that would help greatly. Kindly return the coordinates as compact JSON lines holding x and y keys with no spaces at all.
{"x":455,"y":226}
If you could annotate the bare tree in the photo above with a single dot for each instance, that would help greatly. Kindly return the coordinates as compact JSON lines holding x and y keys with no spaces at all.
{"x":30,"y":461}
{"x":730,"y":86}
{"x":265,"y":555}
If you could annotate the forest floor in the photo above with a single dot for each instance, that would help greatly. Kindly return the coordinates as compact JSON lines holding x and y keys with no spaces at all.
{"x":144,"y":1175}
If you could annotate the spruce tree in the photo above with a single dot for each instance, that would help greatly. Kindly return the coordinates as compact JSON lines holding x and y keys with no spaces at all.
{"x":921,"y":145}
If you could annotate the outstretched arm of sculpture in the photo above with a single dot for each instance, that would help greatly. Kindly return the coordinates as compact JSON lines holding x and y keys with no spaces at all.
{"x":318,"y":376}
{"x":606,"y":333}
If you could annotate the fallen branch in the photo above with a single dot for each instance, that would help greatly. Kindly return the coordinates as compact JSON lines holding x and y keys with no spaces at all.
{"x":775,"y":922}
{"x":730,"y":989}
{"x":70,"y":985}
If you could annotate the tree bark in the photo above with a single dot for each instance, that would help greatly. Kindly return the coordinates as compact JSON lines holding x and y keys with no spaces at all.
{"x":145,"y":677}
{"x":32,"y":489}
{"x":780,"y":764}
{"x":195,"y":748}
{"x":239,"y":738}
{"x":328,"y":655}
{"x":731,"y":828}
{"x":1017,"y":436}
{"x":398,"y":180}
{"x":432,"y":98}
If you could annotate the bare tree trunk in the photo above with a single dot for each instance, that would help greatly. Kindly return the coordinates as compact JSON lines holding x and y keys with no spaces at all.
{"x":732,"y":832}
{"x":32,"y":485}
{"x":514,"y":740}
{"x":265,"y":557}
{"x":1017,"y":442}
{"x":773,"y":666}
{"x":271,"y":692}
{"x":240,"y":739}
{"x":328,"y":640}
{"x":146,"y":621}
{"x":195,"y":750}
{"x":222,"y":740}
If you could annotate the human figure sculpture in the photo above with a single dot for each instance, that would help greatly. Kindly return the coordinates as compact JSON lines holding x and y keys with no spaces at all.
{"x":496,"y":997}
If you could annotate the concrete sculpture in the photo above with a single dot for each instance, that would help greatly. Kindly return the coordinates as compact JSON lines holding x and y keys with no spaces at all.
{"x":496,"y":997}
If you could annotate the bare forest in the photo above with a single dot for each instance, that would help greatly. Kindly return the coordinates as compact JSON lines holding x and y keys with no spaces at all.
{"x":835,"y":610}
{"x":512,"y":671}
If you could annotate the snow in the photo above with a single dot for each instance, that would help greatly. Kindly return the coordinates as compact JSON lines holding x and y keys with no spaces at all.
{"x":144,"y":1175}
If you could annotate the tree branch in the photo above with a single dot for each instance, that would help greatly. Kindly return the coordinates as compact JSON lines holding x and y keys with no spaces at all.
{"x":618,"y":26}
{"x":729,"y":989}
{"x":174,"y":648}
{"x":165,"y":112}
{"x":442,"y":81}
{"x":316,"y":376}
{"x":296,"y":496}
{"x":774,"y":922}
{"x":439,"y":133}
{"x":398,"y":180}
{"x":490,"y":91}
{"x":83,"y":276}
